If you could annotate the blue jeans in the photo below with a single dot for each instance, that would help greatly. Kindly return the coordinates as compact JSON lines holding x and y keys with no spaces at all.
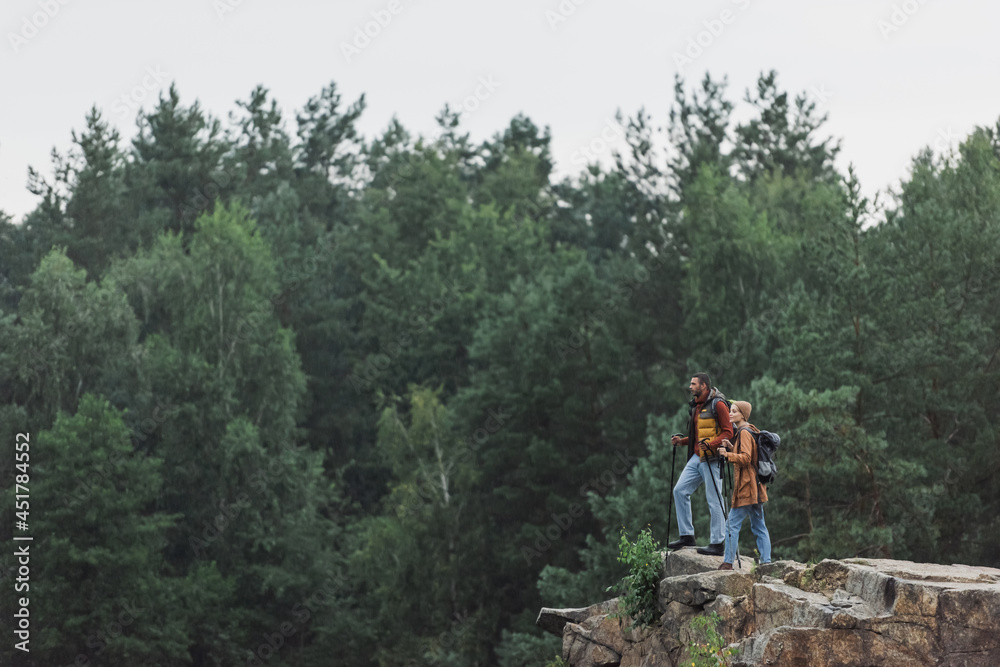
{"x":694,"y":474}
{"x":756,"y":514}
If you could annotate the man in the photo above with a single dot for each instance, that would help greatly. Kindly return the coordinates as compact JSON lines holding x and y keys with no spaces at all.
{"x":708,"y":426}
{"x":749,"y":495}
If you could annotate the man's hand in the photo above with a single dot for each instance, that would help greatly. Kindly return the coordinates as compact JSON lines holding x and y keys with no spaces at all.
{"x":675,"y":440}
{"x":705,"y":449}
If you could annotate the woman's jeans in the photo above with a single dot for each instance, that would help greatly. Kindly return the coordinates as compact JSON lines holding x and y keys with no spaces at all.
{"x":756,"y":514}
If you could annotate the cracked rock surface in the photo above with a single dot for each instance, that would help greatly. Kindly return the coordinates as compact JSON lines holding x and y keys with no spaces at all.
{"x":856,"y":612}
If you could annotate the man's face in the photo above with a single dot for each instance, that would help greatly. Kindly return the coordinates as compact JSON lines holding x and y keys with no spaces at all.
{"x":697,"y":386}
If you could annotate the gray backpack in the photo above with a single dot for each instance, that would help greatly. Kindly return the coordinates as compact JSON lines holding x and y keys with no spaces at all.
{"x":767,"y":445}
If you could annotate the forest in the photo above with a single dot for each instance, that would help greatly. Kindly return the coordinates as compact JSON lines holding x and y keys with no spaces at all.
{"x":297,"y":396}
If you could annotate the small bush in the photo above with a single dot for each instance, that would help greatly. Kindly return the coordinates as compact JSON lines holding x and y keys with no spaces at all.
{"x":713,"y":651}
{"x":640,"y":586}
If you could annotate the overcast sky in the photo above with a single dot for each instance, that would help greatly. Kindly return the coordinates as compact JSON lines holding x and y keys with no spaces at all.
{"x":893,"y":76}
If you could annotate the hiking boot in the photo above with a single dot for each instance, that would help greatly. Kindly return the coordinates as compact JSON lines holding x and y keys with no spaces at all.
{"x":726,"y":566}
{"x":713,"y":549}
{"x":683,"y":541}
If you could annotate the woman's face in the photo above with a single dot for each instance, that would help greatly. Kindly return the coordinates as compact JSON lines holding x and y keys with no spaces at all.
{"x":734,"y":414}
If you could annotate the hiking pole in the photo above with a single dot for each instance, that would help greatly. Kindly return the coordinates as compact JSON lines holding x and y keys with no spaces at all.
{"x":730,"y":470}
{"x":670,"y":505}
{"x":725,"y":515}
{"x":729,"y":484}
{"x":718,"y":494}
{"x":725,"y":478}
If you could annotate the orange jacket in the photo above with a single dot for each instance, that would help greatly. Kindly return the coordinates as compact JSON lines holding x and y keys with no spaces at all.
{"x":746,"y":489}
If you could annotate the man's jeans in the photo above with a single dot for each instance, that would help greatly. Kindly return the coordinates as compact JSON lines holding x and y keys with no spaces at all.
{"x":756,"y":514}
{"x":694,"y":474}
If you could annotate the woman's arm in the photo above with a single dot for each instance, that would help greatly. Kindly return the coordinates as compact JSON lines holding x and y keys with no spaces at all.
{"x":743,"y":456}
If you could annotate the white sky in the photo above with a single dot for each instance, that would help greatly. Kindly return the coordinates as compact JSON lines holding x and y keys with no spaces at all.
{"x":927,"y":83}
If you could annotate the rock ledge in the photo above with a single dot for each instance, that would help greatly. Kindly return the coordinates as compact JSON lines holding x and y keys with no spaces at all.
{"x":849,"y":613}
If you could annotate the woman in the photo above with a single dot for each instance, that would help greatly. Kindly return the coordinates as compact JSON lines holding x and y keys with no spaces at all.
{"x":749,"y":495}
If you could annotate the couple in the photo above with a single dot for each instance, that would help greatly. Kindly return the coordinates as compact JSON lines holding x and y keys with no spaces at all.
{"x":710,"y":436}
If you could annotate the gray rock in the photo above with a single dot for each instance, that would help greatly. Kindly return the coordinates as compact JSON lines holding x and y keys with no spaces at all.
{"x":553,"y":620}
{"x":697,"y":589}
{"x":688,"y":561}
{"x":847,"y":612}
{"x":580,"y":648}
{"x":818,"y":647}
{"x":777,"y":605}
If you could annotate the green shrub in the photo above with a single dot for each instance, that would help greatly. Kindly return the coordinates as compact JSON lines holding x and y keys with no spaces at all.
{"x":640,"y":586}
{"x":713,"y":651}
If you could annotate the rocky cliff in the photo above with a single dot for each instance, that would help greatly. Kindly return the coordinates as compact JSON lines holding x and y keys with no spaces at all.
{"x":858,"y":612}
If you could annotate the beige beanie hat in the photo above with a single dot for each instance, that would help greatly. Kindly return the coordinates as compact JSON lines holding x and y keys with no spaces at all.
{"x":745,"y":408}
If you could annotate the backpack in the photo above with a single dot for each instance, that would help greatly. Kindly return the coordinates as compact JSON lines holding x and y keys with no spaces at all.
{"x":720,"y":397}
{"x":767,"y":445}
